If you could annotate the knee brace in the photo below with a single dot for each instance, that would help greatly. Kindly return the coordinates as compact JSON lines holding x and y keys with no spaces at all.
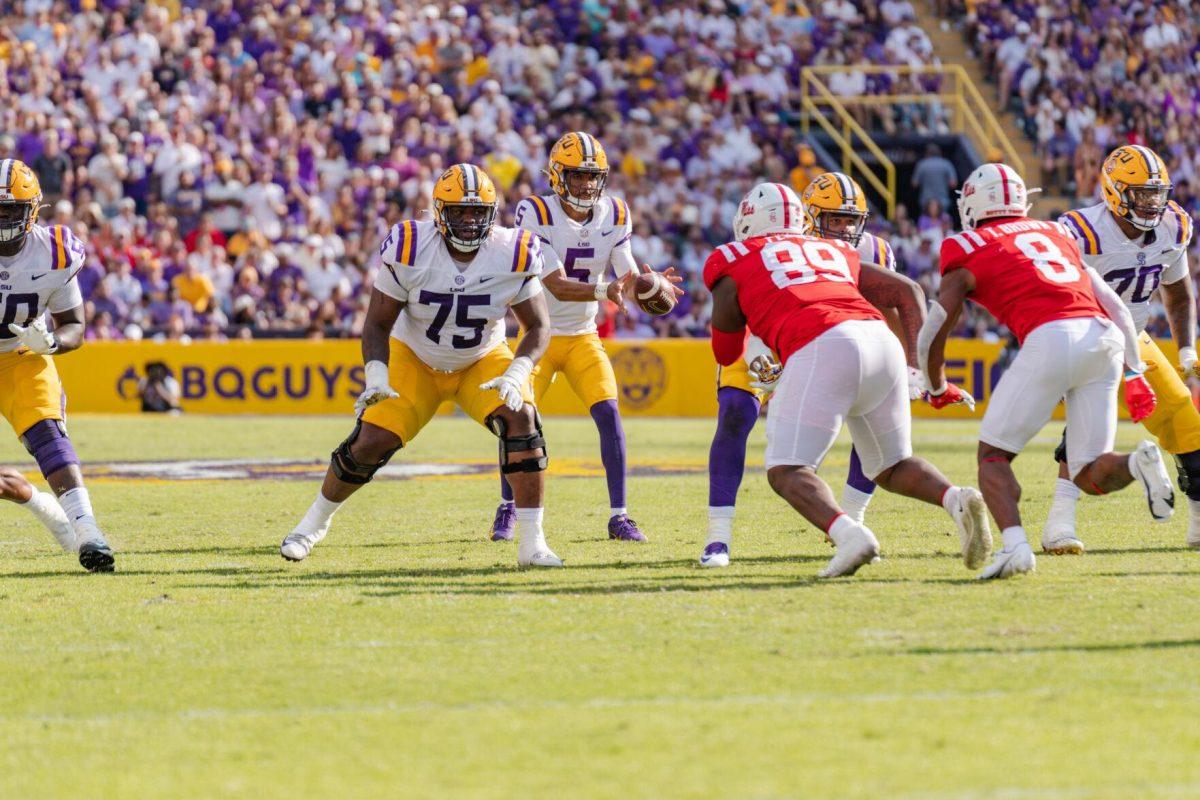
{"x":347,"y":469}
{"x":1189,"y":473}
{"x":516,"y":444}
{"x":1060,"y":452}
{"x":47,"y":442}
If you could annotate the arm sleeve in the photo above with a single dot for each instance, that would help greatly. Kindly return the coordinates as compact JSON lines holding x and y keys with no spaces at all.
{"x":1119,"y":314}
{"x":728,"y":347}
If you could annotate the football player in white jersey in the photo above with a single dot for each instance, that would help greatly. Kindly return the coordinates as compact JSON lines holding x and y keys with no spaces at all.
{"x":38,"y":266}
{"x":583,"y":231}
{"x":435,"y":332}
{"x":833,"y":207}
{"x":1137,"y":239}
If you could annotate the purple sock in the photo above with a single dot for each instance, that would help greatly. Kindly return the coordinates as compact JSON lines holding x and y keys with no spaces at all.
{"x":505,"y":490}
{"x":855,"y":477}
{"x":612,"y":449}
{"x":737,"y":411}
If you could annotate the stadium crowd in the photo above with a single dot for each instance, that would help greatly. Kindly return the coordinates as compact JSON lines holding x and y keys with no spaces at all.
{"x":232,"y":164}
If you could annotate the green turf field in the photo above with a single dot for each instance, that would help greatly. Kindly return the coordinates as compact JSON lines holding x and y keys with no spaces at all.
{"x":408,"y":657}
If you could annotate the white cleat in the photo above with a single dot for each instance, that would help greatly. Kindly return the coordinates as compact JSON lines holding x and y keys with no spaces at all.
{"x":1152,"y":472}
{"x":1010,"y":562}
{"x":1060,"y":540}
{"x":716,"y":554}
{"x":860,"y":548}
{"x":974,"y":531}
{"x":542,"y":558}
{"x":1193,"y":531}
{"x":299,"y":544}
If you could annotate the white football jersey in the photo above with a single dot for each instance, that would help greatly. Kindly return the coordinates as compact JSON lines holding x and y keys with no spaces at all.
{"x":454,"y":313}
{"x":875,"y":250}
{"x":1133,"y":267}
{"x":38,"y":279}
{"x":582,"y":250}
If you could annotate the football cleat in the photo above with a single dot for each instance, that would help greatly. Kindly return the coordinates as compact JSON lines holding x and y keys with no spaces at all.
{"x":1010,"y":562}
{"x":1148,"y":467}
{"x":1059,"y":539}
{"x":504,"y":523}
{"x":299,"y":544}
{"x":860,"y":548}
{"x":1193,"y":531}
{"x":974,"y":531}
{"x":94,"y":553}
{"x":623,"y":529}
{"x":716,"y":554}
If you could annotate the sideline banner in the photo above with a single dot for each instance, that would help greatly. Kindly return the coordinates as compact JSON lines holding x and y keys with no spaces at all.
{"x":670,"y":377}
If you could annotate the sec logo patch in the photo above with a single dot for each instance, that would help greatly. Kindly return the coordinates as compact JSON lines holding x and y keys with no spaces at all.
{"x":642,"y":376}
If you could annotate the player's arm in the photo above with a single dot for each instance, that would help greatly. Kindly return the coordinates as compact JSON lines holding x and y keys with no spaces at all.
{"x":1116,"y":310}
{"x":531,"y":311}
{"x":890,"y":291}
{"x":382,"y":311}
{"x":1179,"y":299}
{"x":571,"y":291}
{"x":728,"y":323}
{"x":931,"y":341}
{"x":68,"y":329}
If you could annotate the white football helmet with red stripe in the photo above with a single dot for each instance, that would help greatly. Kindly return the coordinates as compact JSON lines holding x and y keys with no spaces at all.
{"x":992,"y":191}
{"x":768,"y":208}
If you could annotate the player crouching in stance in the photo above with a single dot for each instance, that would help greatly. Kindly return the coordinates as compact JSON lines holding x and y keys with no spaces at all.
{"x":1030,"y":276}
{"x":811,"y":301}
{"x":435,"y":329}
{"x":37,"y":274}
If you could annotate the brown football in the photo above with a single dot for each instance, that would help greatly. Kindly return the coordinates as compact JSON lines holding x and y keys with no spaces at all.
{"x":654,"y":294}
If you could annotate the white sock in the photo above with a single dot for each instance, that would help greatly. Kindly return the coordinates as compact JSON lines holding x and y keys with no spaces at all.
{"x":44,"y":506}
{"x":1194,"y":507}
{"x":720,"y":524}
{"x":841,"y":526}
{"x":950,"y":500}
{"x":78,"y":506}
{"x":1014,"y":536}
{"x":618,"y":512}
{"x":318,"y":515}
{"x":855,"y":502}
{"x":529,"y":528}
{"x":1065,"y":489}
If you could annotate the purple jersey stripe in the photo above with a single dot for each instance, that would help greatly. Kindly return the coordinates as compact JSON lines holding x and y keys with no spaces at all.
{"x":1095,"y":235}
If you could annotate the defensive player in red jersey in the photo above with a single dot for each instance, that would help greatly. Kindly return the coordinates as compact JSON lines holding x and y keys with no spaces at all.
{"x":1072,"y":329}
{"x":813,"y":303}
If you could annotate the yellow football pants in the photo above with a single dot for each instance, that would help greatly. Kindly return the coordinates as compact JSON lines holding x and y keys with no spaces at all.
{"x":30,"y":390}
{"x":422,"y":389}
{"x":583,"y":360}
{"x":1175,"y":421}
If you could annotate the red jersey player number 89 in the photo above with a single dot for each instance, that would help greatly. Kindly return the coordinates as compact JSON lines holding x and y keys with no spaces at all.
{"x":1046,"y":256}
{"x":796,"y":263}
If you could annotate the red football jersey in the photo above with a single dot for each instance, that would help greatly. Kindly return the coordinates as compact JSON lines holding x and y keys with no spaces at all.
{"x":1027,"y":272}
{"x":791,"y":288}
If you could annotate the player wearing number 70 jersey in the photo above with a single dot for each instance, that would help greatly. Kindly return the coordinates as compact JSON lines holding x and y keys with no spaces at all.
{"x":434,"y":332}
{"x":813,"y":303}
{"x":1073,"y":331}
{"x":1137,"y":240}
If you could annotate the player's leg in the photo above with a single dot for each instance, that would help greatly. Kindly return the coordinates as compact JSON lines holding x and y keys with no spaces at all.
{"x":737,"y":411}
{"x":37,"y":412}
{"x":43,"y":505}
{"x":857,"y":493}
{"x":505,"y":521}
{"x":381,"y":430}
{"x":590,"y":374}
{"x":880,"y":424}
{"x":1058,"y":535}
{"x":523,"y":457}
{"x":818,"y":386}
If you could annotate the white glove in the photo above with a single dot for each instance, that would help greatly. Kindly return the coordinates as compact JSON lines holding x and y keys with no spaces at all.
{"x":916,"y":384}
{"x":510,"y":383}
{"x":765,"y":373}
{"x":35,"y":337}
{"x":377,"y":387}
{"x":1188,"y":364}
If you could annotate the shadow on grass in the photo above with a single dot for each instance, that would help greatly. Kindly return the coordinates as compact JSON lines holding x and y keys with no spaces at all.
{"x":1115,"y":647}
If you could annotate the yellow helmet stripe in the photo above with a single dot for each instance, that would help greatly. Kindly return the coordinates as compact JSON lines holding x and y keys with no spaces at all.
{"x":470,"y":182}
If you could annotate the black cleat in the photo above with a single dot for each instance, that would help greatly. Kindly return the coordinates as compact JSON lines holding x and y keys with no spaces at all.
{"x":96,"y":557}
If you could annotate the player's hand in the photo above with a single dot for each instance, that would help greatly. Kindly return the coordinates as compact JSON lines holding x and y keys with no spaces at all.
{"x":1189,"y":366}
{"x":916,"y":384}
{"x":672,"y":277}
{"x":35,"y":337}
{"x":621,"y":289}
{"x":949,"y":395}
{"x":1139,"y":397}
{"x":765,"y":373}
{"x":377,"y":388}
{"x":510,"y":384}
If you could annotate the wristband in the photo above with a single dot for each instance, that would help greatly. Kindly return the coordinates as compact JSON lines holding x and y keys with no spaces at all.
{"x":602,"y":291}
{"x":938,"y":392}
{"x":376,"y":373}
{"x":1131,"y":374}
{"x":1187,"y":354}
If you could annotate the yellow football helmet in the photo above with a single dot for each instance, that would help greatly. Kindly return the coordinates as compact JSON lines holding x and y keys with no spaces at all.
{"x":464,"y":206}
{"x":835,"y":194}
{"x":1136,"y":185}
{"x":577,"y":153}
{"x":20,"y":201}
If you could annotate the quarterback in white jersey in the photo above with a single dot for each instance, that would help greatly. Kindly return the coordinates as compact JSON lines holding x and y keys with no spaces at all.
{"x":1137,"y":240}
{"x":583,"y":232}
{"x":435,"y":331}
{"x":38,"y":266}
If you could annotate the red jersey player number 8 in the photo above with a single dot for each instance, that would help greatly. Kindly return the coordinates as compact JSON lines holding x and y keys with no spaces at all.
{"x":1046,"y":256}
{"x":796,"y":263}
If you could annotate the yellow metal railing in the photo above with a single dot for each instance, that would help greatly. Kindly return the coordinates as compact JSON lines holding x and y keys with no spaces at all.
{"x":967,"y":113}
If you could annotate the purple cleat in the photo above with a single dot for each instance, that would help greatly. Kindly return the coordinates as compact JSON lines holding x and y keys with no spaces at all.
{"x":716,"y":554}
{"x":502,"y":525}
{"x":624,"y":529}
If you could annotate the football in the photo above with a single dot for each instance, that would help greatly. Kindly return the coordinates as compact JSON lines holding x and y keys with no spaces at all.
{"x":654,"y":294}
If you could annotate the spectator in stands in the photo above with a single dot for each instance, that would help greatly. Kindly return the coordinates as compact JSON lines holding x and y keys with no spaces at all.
{"x":934,"y":177}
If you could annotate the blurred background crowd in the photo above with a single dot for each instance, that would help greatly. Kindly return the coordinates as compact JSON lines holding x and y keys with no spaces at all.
{"x":233,"y":164}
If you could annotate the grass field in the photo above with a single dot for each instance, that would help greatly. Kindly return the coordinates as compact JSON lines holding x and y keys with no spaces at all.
{"x":408,"y":657}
